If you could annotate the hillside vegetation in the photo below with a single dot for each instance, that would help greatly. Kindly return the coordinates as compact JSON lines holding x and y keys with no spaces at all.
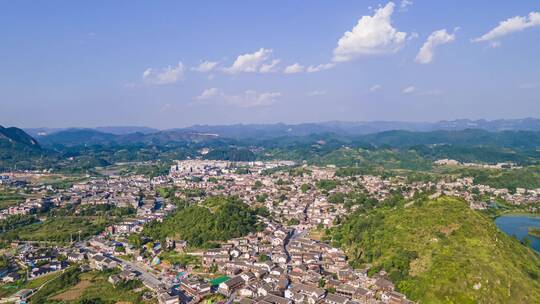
{"x":217,"y":219}
{"x":440,"y":251}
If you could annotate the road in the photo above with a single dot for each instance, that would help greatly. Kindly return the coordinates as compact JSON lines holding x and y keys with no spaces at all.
{"x":152,"y":281}
{"x":148,"y":278}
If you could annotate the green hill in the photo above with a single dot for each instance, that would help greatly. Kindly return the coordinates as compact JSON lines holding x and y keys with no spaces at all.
{"x":441,"y":251}
{"x":216,"y":219}
{"x":16,"y":147}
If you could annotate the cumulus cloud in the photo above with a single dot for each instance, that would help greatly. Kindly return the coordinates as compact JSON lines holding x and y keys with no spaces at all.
{"x":248,"y":99}
{"x":270,"y":67}
{"x":294,"y":68}
{"x":320,"y":67}
{"x":375,"y":88}
{"x":206,"y":66}
{"x":372,"y":35}
{"x":250,"y":62}
{"x":168,"y":75}
{"x":409,"y":90}
{"x":440,"y":37}
{"x":511,"y":25}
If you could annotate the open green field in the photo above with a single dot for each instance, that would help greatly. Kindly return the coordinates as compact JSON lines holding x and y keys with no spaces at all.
{"x":56,"y":229}
{"x":173,"y":257}
{"x":9,"y":197}
{"x":94,"y":286}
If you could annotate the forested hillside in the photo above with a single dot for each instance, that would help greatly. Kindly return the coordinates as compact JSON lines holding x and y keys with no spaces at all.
{"x":217,"y":219}
{"x":440,"y":251}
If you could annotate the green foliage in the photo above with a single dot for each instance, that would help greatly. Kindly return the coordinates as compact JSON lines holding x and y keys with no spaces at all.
{"x":217,"y":219}
{"x":57,"y":229}
{"x":4,"y":262}
{"x":336,"y":198}
{"x":261,"y":198}
{"x":16,"y":221}
{"x":258,"y":184}
{"x":293,"y":221}
{"x":128,"y":285}
{"x":263,"y":258}
{"x":305,"y":188}
{"x":149,"y":170}
{"x":231,"y":154}
{"x":436,"y":251}
{"x":68,"y":278}
{"x":327,"y":184}
{"x":180,"y":258}
{"x":528,"y":177}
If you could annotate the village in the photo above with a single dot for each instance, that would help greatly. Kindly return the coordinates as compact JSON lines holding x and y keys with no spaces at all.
{"x":286,"y":262}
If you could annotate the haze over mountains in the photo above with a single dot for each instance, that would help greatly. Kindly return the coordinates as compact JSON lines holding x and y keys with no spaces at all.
{"x":465,"y":140}
{"x":338,"y":127}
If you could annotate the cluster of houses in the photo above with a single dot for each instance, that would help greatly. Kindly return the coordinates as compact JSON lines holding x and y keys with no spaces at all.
{"x":279,"y":265}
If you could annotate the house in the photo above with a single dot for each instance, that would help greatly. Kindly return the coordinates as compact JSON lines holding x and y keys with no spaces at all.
{"x":299,"y":292}
{"x":100,"y":262}
{"x":75,"y":257}
{"x":273,"y":299}
{"x":335,"y":299}
{"x":230,"y":286}
{"x":166,"y":298}
{"x":11,"y":277}
{"x":114,"y":279}
{"x":21,"y":296}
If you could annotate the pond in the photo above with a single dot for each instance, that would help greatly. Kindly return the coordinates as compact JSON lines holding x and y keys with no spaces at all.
{"x":518,"y":225}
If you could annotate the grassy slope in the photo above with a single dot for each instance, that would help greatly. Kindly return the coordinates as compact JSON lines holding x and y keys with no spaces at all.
{"x":457,"y":248}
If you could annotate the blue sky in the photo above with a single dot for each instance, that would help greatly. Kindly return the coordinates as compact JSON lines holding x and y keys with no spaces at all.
{"x":176,"y":63}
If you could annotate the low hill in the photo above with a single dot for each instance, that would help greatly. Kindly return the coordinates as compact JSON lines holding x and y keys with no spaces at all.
{"x":216,"y":219}
{"x":17,"y":136}
{"x":440,"y":251}
{"x":16,"y":148}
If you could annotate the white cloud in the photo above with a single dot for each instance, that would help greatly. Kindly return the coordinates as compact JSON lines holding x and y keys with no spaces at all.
{"x":294,"y":68}
{"x":320,"y":67}
{"x":248,"y":99}
{"x":440,"y":37}
{"x":372,"y":35}
{"x":270,"y":67}
{"x":412,"y":35}
{"x":317,"y":93}
{"x":168,"y":75}
{"x":409,"y":90}
{"x":206,"y":66}
{"x":209,"y":93}
{"x":375,"y":88}
{"x":249,"y":63}
{"x":405,"y":4}
{"x":511,"y":25}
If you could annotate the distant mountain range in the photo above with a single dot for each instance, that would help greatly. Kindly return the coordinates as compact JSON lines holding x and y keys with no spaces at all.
{"x":122,"y":130}
{"x":74,"y":137}
{"x":242,"y":131}
{"x":488,"y":141}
